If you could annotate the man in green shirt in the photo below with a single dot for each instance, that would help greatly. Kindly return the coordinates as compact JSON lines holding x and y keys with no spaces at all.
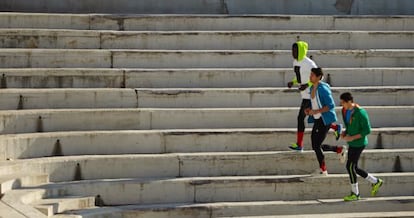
{"x":357,"y":129}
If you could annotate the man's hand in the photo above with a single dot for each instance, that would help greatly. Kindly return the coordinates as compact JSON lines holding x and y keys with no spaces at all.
{"x":303,"y":87}
{"x":347,"y":138}
{"x":290,"y":84}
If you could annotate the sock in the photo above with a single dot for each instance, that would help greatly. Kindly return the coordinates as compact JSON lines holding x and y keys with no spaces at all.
{"x":372,"y":179}
{"x":354,"y":188}
{"x":339,"y":149}
{"x":323,"y":166}
{"x":334,"y":126}
{"x":299,"y":139}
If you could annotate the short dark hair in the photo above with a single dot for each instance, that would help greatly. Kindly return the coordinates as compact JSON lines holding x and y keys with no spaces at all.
{"x":346,"y":96}
{"x":317,"y":71}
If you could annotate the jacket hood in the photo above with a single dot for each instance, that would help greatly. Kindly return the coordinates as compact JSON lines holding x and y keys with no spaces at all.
{"x":302,"y":49}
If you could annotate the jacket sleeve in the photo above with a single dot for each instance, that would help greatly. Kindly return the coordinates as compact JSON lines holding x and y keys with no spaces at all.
{"x":326,"y":97}
{"x":364,"y":123}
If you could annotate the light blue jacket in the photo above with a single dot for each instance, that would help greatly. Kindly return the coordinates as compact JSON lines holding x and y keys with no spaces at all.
{"x":324,"y":98}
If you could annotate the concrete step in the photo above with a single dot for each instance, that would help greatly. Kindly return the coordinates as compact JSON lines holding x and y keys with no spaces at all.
{"x":52,"y":206}
{"x":16,"y":180}
{"x":166,"y":22}
{"x":65,"y":78}
{"x":87,"y":167}
{"x":93,"y":58}
{"x":194,"y":78}
{"x":54,"y":120}
{"x":264,"y":97}
{"x":231,"y":189}
{"x":287,"y":163}
{"x":32,"y":58}
{"x":36,"y":145}
{"x":12,"y":99}
{"x":322,"y":207}
{"x":348,"y":215}
{"x":20,"y":200}
{"x":96,"y":212}
{"x":203,"y":40}
{"x":7,"y":210}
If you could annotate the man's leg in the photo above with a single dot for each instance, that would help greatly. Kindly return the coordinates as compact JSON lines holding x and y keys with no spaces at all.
{"x":319,"y":132}
{"x":301,"y":125}
{"x":351,"y":166}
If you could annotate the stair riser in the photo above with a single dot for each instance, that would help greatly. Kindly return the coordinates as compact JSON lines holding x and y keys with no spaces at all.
{"x":234,"y":191}
{"x":263,"y":209}
{"x":211,"y":22}
{"x":137,"y":142}
{"x":191,"y":165}
{"x":20,"y":38}
{"x":26,"y":58}
{"x":144,"y":119}
{"x":188,"y":98}
{"x":196,"y":78}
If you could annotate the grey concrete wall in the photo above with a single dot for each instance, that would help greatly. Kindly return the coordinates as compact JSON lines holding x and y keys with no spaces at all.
{"x":385,"y":7}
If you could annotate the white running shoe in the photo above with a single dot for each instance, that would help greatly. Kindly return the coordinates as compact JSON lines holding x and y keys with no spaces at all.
{"x":319,"y":172}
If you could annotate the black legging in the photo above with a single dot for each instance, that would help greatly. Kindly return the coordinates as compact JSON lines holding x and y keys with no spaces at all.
{"x":319,"y":132}
{"x":352,"y":164}
{"x":306,"y":103}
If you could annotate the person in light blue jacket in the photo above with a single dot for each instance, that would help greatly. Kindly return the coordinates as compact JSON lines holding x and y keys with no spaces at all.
{"x":322,"y":115}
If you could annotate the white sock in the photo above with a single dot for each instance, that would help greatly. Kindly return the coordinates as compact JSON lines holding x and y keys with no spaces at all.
{"x":372,"y":179}
{"x":354,"y":188}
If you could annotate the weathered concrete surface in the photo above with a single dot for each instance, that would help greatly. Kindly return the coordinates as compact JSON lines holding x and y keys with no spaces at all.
{"x":20,"y":200}
{"x":264,"y":97}
{"x":195,"y":78}
{"x":52,"y":206}
{"x":113,"y":173}
{"x":12,"y":99}
{"x":204,"y":22}
{"x":286,"y":163}
{"x":256,"y":40}
{"x":37,"y":145}
{"x":258,"y":58}
{"x":63,"y":78}
{"x":230,"y":189}
{"x":110,"y":167}
{"x":91,"y":58}
{"x":33,"y":38}
{"x":340,"y":215}
{"x":214,"y":7}
{"x":18,"y":180}
{"x":7,"y":210}
{"x":207,"y":164}
{"x":203,"y":40}
{"x":32,"y":58}
{"x":262,"y":208}
{"x":31,"y":121}
{"x":68,"y":98}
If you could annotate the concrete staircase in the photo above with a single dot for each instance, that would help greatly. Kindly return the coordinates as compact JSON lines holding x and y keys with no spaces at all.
{"x":188,"y":115}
